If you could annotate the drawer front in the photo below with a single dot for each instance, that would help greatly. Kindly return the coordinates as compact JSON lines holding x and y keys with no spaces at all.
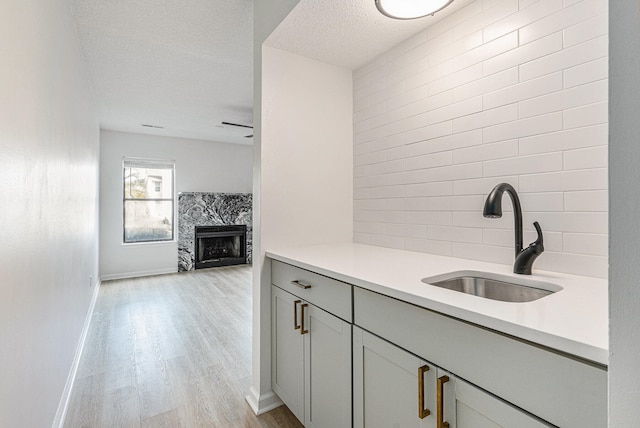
{"x":564,"y":391}
{"x":333,"y":296}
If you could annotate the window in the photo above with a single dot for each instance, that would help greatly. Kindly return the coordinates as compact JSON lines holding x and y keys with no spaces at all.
{"x":148,"y":200}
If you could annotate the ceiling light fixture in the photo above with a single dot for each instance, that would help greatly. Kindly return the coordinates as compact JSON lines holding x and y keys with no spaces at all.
{"x":410,"y":9}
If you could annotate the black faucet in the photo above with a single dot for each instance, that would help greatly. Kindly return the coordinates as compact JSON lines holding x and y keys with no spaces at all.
{"x":493,"y":209}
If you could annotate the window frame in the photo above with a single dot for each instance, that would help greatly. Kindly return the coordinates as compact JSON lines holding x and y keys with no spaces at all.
{"x":135,"y":162}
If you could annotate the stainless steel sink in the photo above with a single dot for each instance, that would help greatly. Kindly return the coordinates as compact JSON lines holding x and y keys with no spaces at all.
{"x":494,"y":286}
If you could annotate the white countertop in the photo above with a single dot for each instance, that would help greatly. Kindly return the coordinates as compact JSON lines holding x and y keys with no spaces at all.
{"x":573,"y":320}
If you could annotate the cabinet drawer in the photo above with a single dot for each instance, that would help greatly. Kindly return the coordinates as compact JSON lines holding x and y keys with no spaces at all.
{"x":333,"y":296}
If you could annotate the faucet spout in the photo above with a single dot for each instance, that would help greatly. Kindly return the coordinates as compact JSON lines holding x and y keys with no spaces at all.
{"x":493,"y":209}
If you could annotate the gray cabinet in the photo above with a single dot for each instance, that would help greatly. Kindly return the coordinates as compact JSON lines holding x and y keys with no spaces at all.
{"x":557,"y":388}
{"x":311,"y":353}
{"x":394,"y":388}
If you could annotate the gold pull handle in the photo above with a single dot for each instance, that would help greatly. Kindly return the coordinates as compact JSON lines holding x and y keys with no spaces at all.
{"x":301,"y":284}
{"x":296,"y":326}
{"x":302,"y":330}
{"x":422,"y":412}
{"x":440,"y":403}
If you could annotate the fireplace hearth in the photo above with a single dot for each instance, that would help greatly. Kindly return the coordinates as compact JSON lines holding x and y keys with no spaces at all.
{"x":220,"y":245}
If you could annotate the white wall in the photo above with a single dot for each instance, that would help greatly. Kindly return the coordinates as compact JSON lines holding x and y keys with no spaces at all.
{"x":624,"y":199}
{"x":306,"y":164}
{"x":266,"y":17}
{"x":501,"y":91}
{"x":201,"y":166}
{"x":49,"y":138}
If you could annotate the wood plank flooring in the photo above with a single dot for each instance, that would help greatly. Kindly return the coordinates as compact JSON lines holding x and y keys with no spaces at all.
{"x":171,"y":351}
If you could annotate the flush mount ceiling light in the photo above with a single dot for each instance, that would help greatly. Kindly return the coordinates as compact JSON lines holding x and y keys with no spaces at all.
{"x":410,"y":9}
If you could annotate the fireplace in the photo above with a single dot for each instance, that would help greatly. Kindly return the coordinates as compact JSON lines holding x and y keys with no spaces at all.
{"x":220,"y":245}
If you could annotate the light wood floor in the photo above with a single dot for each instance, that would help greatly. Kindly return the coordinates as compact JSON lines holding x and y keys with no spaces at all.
{"x":171,"y":351}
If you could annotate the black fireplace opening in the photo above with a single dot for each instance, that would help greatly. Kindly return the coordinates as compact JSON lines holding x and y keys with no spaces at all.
{"x":220,"y":246}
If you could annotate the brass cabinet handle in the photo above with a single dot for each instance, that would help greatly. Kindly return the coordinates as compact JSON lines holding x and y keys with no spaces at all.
{"x":422,"y":412}
{"x":296,"y":326}
{"x":301,"y":285}
{"x":302,"y":330}
{"x":440,"y":403}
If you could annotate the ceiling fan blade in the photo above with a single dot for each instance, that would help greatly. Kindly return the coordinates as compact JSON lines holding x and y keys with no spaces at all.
{"x":237,"y":124}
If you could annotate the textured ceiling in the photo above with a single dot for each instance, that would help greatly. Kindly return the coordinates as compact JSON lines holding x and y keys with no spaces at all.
{"x":187,"y":65}
{"x":347,"y":33}
{"x":182,"y":65}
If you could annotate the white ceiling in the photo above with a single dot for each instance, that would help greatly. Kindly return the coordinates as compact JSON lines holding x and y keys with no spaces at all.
{"x":183,"y":65}
{"x":347,"y":33}
{"x":187,"y":66}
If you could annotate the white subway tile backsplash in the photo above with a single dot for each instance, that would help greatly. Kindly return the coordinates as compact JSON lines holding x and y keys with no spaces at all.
{"x":523,"y":128}
{"x":499,"y":91}
{"x":455,"y":141}
{"x":563,"y":19}
{"x":455,"y":234}
{"x":589,"y":200}
{"x":544,"y":201}
{"x":455,"y":172}
{"x":583,"y":243}
{"x":481,"y":186}
{"x":455,"y":79}
{"x":523,"y":17}
{"x":504,"y":238}
{"x":407,"y":230}
{"x":438,"y":188}
{"x":442,"y":248}
{"x":533,"y":164}
{"x":565,"y":140}
{"x":592,"y":114}
{"x":592,"y":157}
{"x":590,"y":179}
{"x":523,"y":91}
{"x":429,"y":217}
{"x":566,"y":99}
{"x":486,"y":84}
{"x":452,"y":111}
{"x":585,"y":73}
{"x":429,"y":161}
{"x":523,"y":54}
{"x":577,"y":264}
{"x":429,"y":132}
{"x":502,"y":149}
{"x":444,"y":203}
{"x":455,"y":50}
{"x":579,"y":222}
{"x":586,"y":30}
{"x":492,"y":12}
{"x":566,"y":58}
{"x":486,"y":51}
{"x":486,"y":118}
{"x":387,"y":241}
{"x":484,"y":253}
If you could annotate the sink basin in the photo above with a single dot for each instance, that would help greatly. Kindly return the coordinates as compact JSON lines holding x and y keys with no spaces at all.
{"x":494,"y":286}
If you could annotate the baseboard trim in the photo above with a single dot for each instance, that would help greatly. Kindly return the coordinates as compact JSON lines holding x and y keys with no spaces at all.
{"x":262,"y":403}
{"x":137,"y":274}
{"x":61,"y":413}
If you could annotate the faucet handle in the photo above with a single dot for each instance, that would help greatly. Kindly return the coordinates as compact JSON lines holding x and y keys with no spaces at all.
{"x":540,"y":240}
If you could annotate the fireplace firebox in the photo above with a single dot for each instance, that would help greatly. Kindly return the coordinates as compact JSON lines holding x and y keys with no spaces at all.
{"x":220,"y":246}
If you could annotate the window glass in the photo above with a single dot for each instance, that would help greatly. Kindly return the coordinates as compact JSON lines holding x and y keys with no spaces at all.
{"x":148,"y":201}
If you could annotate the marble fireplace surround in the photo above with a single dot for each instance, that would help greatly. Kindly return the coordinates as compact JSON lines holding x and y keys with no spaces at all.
{"x":210,"y":209}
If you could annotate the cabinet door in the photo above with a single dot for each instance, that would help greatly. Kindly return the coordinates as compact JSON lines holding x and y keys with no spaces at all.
{"x":386,"y":385}
{"x":476,"y":408}
{"x":287,"y":347}
{"x":327,"y":349}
